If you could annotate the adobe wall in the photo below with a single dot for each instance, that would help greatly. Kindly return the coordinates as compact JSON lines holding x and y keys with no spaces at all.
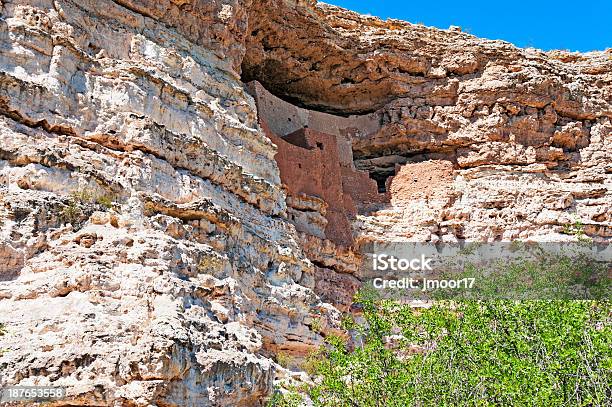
{"x":283,"y":118}
{"x":309,"y":166}
{"x":429,"y":180}
{"x":317,"y":163}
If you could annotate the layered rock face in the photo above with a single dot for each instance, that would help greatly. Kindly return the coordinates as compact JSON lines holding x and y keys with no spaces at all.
{"x":146,"y":258}
{"x":150,"y":253}
{"x":527,"y":133}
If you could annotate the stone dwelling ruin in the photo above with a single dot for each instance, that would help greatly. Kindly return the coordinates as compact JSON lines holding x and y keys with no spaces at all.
{"x":315,"y":157}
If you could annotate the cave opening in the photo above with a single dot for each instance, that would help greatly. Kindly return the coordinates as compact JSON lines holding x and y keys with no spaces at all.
{"x":381,"y":178}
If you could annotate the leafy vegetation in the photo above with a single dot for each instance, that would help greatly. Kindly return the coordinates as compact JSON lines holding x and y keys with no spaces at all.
{"x":316,"y":325}
{"x":471,"y":353}
{"x":289,"y":399}
{"x":545,"y":276}
{"x":576,"y":229}
{"x":73,"y":211}
{"x":284,"y":359}
{"x":85,"y":196}
{"x":105,"y":200}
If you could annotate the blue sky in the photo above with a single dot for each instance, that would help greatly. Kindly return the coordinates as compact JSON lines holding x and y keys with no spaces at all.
{"x":578,"y":25}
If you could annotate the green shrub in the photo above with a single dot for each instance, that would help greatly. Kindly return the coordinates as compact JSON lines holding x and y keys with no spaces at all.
{"x":83,"y":195}
{"x":87,"y":196}
{"x":316,"y":325}
{"x":485,"y":353}
{"x":548,"y":276}
{"x":576,"y":229}
{"x":105,"y":200}
{"x":290,"y":399}
{"x":284,"y":359}
{"x":73,"y":211}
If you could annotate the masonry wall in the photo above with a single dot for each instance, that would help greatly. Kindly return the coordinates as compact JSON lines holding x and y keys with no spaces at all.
{"x":284,"y":118}
{"x":317,"y":163}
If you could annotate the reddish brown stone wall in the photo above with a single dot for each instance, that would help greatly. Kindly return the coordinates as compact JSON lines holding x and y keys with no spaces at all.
{"x":362,"y":190}
{"x":427,"y":180}
{"x":308,"y":165}
{"x":312,"y":163}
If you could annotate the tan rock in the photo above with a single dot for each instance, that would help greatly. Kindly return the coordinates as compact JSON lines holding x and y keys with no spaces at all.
{"x":149,"y":251}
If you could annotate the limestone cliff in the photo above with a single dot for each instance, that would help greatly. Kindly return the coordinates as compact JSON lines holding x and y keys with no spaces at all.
{"x":160,"y":245}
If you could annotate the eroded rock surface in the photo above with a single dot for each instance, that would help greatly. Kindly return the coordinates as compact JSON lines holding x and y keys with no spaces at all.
{"x":527,"y":133}
{"x":150,"y":253}
{"x":146,"y":259}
